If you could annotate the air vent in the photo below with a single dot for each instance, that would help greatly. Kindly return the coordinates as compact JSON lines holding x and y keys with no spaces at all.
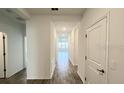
{"x":54,"y":9}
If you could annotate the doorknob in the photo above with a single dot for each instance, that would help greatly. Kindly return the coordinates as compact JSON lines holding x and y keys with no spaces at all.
{"x":101,"y":70}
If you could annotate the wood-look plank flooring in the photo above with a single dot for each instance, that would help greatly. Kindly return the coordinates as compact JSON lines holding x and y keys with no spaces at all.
{"x":65,"y":73}
{"x":18,"y":78}
{"x":68,"y":77}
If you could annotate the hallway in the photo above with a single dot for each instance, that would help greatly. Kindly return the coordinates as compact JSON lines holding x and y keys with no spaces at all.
{"x":66,"y":46}
{"x":51,"y":46}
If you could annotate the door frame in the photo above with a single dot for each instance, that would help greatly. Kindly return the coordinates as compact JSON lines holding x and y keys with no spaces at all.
{"x":107,"y":16}
{"x":4,"y":55}
{"x":5,"y":51}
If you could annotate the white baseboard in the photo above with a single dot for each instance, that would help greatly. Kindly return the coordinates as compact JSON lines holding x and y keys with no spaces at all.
{"x":51,"y":74}
{"x":82,"y":78}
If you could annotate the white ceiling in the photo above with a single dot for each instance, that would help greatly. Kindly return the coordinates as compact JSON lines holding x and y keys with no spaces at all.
{"x":61,"y":11}
{"x":59,"y":26}
{"x":64,"y":26}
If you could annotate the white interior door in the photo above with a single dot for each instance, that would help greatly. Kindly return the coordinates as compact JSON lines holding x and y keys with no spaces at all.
{"x":96,"y":53}
{"x":1,"y":56}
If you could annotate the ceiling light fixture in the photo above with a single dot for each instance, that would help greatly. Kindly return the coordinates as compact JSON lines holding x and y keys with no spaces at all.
{"x":64,"y":29}
{"x":54,"y":9}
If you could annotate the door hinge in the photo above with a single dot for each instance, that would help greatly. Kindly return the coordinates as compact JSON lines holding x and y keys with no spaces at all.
{"x":85,"y":57}
{"x":85,"y":79}
{"x":3,"y":37}
{"x":85,"y":35}
{"x":4,"y":70}
{"x":4,"y":54}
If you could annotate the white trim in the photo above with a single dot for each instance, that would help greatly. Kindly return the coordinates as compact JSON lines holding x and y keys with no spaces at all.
{"x":51,"y":74}
{"x":83,"y":79}
{"x":107,"y":48}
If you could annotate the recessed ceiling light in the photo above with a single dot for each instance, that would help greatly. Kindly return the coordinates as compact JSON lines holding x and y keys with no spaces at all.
{"x":64,"y":29}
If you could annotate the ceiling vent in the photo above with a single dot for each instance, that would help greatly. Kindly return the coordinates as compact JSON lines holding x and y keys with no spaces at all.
{"x":54,"y":9}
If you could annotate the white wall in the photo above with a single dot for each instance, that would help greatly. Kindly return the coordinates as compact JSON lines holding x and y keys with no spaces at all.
{"x":15,"y":34}
{"x":116,"y":48}
{"x":73,"y":46}
{"x":38,"y":47}
{"x":38,"y":42}
{"x":53,"y":49}
{"x":76,"y":46}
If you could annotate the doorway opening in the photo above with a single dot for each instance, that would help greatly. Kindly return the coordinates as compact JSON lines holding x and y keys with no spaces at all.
{"x":63,"y":56}
{"x":65,"y":72}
